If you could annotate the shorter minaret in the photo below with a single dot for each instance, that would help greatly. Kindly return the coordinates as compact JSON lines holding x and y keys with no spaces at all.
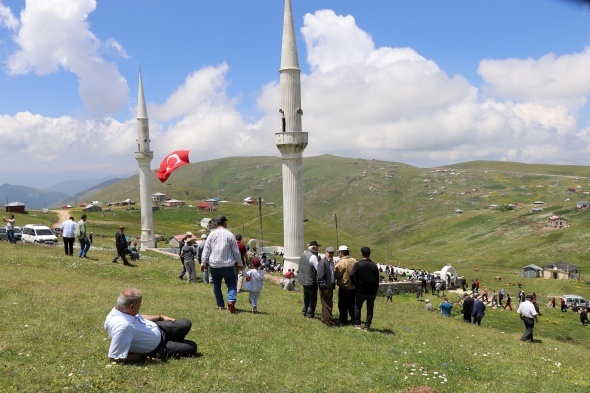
{"x":144,"y":157}
{"x":291,"y":141}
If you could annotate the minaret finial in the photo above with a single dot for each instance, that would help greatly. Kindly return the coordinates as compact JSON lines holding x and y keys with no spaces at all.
{"x":289,"y":50}
{"x":141,"y":108}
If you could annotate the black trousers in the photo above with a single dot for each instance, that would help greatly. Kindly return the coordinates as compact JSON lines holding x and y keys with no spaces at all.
{"x":310,"y":300}
{"x":529,"y":324}
{"x":122,"y":253}
{"x":346,"y":299}
{"x":358,"y":307}
{"x":69,"y":245}
{"x":173,"y":340}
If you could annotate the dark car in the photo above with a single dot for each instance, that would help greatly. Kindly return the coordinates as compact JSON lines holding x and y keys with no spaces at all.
{"x":18,"y":233}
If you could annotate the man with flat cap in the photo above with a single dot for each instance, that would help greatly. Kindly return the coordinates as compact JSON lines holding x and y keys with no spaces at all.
{"x":308,"y":267}
{"x":326,"y":284}
{"x":223,"y":256}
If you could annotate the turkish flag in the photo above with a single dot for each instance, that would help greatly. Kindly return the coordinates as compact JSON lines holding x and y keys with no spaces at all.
{"x":172,"y":162}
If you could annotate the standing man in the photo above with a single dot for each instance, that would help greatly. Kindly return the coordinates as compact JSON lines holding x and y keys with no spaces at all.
{"x":308,"y":270}
{"x":365,"y":278}
{"x":240,"y":271}
{"x":10,"y":228}
{"x":135,"y":336}
{"x":479,"y":309}
{"x":68,"y":233}
{"x":467,"y":307}
{"x":528,"y":315}
{"x":223,"y":256}
{"x":121,"y":244}
{"x":326,"y":284}
{"x":82,"y":237}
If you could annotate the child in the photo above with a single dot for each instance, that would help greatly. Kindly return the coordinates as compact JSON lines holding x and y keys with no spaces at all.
{"x":254,"y":281}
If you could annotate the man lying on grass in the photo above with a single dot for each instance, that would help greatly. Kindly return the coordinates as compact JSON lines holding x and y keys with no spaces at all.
{"x":135,"y":336}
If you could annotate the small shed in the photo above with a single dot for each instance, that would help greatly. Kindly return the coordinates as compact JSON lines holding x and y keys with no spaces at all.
{"x":92,"y":208}
{"x":583,"y":205}
{"x":206,"y":223}
{"x":532,"y":271}
{"x":560,"y":270}
{"x":175,"y":240}
{"x":15,"y":207}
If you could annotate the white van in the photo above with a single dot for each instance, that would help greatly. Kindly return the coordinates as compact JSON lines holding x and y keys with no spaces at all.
{"x":37,"y":233}
{"x":575,"y":301}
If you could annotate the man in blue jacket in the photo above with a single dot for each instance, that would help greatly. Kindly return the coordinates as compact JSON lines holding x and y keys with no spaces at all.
{"x":478,"y":310}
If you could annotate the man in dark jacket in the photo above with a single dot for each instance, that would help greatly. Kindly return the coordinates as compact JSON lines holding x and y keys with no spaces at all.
{"x":326,"y":285}
{"x":307,"y":277}
{"x":365,"y":278}
{"x":121,"y":244}
{"x":478,"y":311}
{"x":467,"y":307}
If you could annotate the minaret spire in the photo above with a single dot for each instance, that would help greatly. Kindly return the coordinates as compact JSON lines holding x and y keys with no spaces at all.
{"x":291,"y":141}
{"x":144,"y":156}
{"x":289,"y":58}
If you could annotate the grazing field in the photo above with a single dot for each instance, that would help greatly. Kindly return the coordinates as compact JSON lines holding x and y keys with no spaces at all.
{"x":52,"y":339}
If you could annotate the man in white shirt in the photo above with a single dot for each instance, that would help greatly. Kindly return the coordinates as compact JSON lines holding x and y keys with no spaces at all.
{"x":528,"y":315}
{"x":68,"y":233}
{"x":223,"y":256}
{"x":135,"y":336}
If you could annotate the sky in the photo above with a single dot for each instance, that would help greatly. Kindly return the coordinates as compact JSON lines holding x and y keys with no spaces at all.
{"x":427,"y":83}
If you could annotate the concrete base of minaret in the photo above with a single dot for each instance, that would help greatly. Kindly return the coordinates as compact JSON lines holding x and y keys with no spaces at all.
{"x":147,"y":239}
{"x":291,"y":263}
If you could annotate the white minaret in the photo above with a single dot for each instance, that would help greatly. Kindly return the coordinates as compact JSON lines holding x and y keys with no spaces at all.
{"x":291,"y":142}
{"x":144,"y":156}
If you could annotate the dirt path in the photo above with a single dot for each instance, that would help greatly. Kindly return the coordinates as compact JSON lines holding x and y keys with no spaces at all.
{"x":62,"y":215}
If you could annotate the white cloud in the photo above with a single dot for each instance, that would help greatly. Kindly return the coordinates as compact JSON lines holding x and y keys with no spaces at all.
{"x":54,"y":35}
{"x":7,"y":19}
{"x":549,"y":77}
{"x":392,"y":103}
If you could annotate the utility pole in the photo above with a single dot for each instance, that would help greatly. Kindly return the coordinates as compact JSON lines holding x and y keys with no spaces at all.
{"x":386,"y":251}
{"x":260,"y":215}
{"x":336,"y":222}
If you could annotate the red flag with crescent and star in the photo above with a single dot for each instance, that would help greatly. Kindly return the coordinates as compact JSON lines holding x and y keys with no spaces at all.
{"x":172,"y":162}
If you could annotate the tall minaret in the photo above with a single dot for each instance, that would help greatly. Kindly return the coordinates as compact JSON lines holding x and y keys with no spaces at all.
{"x":144,"y":156}
{"x":291,"y":142}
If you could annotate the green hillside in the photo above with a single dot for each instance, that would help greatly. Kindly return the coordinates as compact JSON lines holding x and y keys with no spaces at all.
{"x":408,"y":211}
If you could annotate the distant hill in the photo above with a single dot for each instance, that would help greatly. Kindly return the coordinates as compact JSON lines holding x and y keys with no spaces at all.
{"x":468,"y":211}
{"x":33,"y":198}
{"x":72,"y":187}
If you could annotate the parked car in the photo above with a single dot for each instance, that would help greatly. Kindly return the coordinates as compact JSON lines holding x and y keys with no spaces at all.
{"x":572,"y":301}
{"x":18,"y":232}
{"x":37,"y":233}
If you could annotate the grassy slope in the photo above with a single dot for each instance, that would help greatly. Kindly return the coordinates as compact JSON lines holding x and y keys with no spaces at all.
{"x":51,"y":338}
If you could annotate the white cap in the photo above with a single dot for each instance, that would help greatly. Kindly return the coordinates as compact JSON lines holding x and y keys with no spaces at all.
{"x":427,"y":300}
{"x":203,"y":236}
{"x":343,"y":248}
{"x":189,"y":234}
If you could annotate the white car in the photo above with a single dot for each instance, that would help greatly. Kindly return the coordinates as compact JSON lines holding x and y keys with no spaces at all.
{"x":575,"y":301}
{"x":38,"y":234}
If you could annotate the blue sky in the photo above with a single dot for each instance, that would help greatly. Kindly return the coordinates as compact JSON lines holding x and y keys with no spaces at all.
{"x":425,"y":83}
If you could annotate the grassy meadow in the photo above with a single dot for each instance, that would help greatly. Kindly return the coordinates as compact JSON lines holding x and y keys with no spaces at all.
{"x":53,"y":310}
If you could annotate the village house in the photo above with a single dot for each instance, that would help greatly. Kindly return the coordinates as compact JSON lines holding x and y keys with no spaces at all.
{"x":173,"y":203}
{"x":582,"y":205}
{"x":560,"y":270}
{"x":159,"y":197}
{"x":15,"y":207}
{"x":557,"y":222}
{"x":206,"y":206}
